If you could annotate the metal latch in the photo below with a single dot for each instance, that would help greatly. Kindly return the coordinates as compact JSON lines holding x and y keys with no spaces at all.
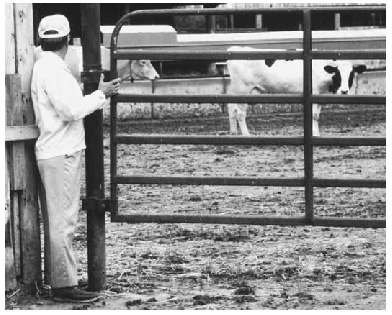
{"x":98,"y":205}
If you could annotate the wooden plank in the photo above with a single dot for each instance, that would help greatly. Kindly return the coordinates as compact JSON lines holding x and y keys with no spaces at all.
{"x":15,"y":117}
{"x":29,"y":219}
{"x":15,"y":151}
{"x":10,"y":150}
{"x":24,"y":48}
{"x":15,"y":206}
{"x":10,"y":276}
{"x":9,"y":39}
{"x":19,"y":133}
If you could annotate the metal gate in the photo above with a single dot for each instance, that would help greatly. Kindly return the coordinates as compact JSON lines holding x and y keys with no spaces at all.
{"x":308,"y":181}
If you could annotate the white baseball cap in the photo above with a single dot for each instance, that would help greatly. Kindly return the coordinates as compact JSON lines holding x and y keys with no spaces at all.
{"x":53,"y":26}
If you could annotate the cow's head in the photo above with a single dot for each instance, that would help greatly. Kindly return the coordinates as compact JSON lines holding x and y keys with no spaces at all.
{"x":343,"y":76}
{"x":143,"y":69}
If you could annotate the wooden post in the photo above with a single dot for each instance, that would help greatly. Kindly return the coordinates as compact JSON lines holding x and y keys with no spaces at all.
{"x":95,"y":183}
{"x":29,"y":216}
{"x":15,"y":114}
{"x":15,"y":165}
{"x":21,"y":159}
{"x":10,"y":275}
{"x":12,"y":252}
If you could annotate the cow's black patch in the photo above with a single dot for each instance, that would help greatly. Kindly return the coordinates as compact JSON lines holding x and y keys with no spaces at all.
{"x":269,"y":62}
{"x":336,"y":82}
{"x":351,"y":79}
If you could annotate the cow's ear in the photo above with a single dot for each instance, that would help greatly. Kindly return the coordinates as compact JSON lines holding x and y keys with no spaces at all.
{"x":359,"y":68}
{"x":269,"y":62}
{"x":330,"y":69}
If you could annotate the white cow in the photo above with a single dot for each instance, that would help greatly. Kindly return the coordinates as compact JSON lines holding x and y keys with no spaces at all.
{"x":133,"y":69}
{"x":282,"y":76}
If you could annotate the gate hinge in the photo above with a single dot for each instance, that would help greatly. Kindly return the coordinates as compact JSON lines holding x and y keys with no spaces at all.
{"x":98,"y":205}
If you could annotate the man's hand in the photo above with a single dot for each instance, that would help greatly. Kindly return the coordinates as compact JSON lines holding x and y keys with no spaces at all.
{"x":109,"y":88}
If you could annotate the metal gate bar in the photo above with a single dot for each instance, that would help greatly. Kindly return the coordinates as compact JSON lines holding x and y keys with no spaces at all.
{"x":248,"y":220}
{"x":247,"y":181}
{"x":208,"y":140}
{"x":243,"y":141}
{"x":167,"y":54}
{"x":308,"y":141}
{"x":206,"y":180}
{"x":251,"y":99}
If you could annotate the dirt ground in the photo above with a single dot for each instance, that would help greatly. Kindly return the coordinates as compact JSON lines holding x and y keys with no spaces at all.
{"x":232,"y":267}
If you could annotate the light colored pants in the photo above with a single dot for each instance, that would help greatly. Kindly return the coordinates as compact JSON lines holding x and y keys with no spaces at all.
{"x":60,"y":206}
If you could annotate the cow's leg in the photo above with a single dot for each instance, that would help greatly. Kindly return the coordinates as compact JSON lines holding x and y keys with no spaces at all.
{"x":232,"y":109}
{"x":316,"y":115}
{"x":241,"y":116}
{"x":237,"y":112}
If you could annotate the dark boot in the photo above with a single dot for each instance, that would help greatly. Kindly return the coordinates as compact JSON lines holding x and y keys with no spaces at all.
{"x":72,"y":294}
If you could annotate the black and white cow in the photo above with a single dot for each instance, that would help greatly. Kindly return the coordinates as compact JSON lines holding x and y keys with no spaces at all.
{"x":285,"y":76}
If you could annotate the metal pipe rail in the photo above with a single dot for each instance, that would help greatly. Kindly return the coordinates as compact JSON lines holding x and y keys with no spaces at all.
{"x":243,"y":141}
{"x":246,"y":181}
{"x":126,"y":53}
{"x":308,"y":181}
{"x":248,"y":220}
{"x":208,"y":140}
{"x":266,"y":98}
{"x":206,"y":12}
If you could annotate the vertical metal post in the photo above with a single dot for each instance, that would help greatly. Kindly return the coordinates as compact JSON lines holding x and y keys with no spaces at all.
{"x":259,"y":22}
{"x":210,"y":23}
{"x":152,"y":104}
{"x":95,"y":189}
{"x":230,"y":22}
{"x":337,"y":21}
{"x":308,"y":113}
{"x":113,"y":125}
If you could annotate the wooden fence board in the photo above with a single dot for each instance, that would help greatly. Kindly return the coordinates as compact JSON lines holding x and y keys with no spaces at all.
{"x":19,"y":133}
{"x":29,"y":214}
{"x":24,"y":228}
{"x":14,"y":118}
{"x":12,"y":257}
{"x":9,"y":38}
{"x":10,"y":276}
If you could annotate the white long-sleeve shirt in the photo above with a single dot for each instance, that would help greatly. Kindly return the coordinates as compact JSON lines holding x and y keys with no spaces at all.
{"x":60,"y":107}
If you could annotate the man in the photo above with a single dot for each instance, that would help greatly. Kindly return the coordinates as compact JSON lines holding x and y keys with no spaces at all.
{"x":60,"y":107}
